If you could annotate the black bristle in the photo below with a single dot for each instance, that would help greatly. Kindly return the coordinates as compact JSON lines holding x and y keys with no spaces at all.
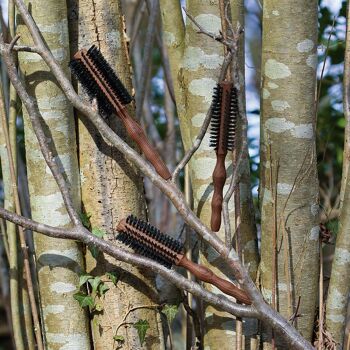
{"x":230,"y":113}
{"x":142,"y":246}
{"x":110,"y":76}
{"x":91,"y":87}
{"x":215,"y":116}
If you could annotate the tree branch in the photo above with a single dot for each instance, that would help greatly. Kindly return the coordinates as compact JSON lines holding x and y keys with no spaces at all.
{"x":265,"y":313}
{"x":147,"y":56}
{"x":36,"y":118}
{"x":85,"y":236}
{"x":197,"y":142}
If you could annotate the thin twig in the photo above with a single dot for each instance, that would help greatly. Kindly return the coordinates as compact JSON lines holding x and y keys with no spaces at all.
{"x":147,"y":57}
{"x":19,"y":48}
{"x":202,"y":30}
{"x":29,"y":104}
{"x":4,"y":239}
{"x":195,"y":318}
{"x":24,"y":248}
{"x":197,"y":142}
{"x":287,"y":268}
{"x":269,"y":316}
{"x":48,"y":156}
{"x":321,"y":304}
{"x":83,"y":235}
{"x":322,"y":71}
{"x":296,"y":314}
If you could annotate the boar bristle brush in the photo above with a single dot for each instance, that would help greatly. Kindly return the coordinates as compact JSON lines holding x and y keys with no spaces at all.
{"x":100,"y":82}
{"x":148,"y":241}
{"x":222,"y":138}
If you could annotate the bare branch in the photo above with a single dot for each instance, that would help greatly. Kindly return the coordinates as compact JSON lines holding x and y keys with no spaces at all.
{"x":202,"y":30}
{"x":22,"y":48}
{"x":264,"y":311}
{"x":83,"y":235}
{"x":35,"y":118}
{"x":147,"y":57}
{"x":22,"y":240}
{"x":197,"y":142}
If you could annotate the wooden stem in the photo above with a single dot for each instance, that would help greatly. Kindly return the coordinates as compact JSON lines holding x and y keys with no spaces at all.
{"x":219,"y":178}
{"x":206,"y":275}
{"x":138,"y":135}
{"x":133,"y":128}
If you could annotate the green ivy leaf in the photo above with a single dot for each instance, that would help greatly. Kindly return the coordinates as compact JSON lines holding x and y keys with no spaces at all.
{"x":102,"y":289}
{"x":119,"y":338}
{"x":113,"y":276}
{"x":83,"y":279}
{"x":170,"y":312}
{"x":142,"y":327}
{"x":85,"y":219}
{"x":98,"y":232}
{"x":94,"y":251}
{"x":83,"y":299}
{"x":98,"y":307}
{"x":94,"y":283}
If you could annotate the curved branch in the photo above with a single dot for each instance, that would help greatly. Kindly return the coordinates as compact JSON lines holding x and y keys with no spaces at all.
{"x":83,"y":235}
{"x":266,"y":314}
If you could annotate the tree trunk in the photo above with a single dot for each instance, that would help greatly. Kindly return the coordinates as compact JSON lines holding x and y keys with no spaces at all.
{"x":339,"y":285}
{"x":289,"y":185}
{"x":59,"y":262}
{"x":112,"y":189}
{"x":195,"y":63}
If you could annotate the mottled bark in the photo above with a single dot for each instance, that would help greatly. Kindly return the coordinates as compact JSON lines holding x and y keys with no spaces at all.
{"x":11,"y":236}
{"x":112,"y":189}
{"x":195,"y":64}
{"x":339,"y":285}
{"x":59,"y":262}
{"x":289,"y":185}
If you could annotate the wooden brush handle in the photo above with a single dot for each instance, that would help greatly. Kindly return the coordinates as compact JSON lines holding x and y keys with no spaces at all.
{"x":206,"y":275}
{"x":137,"y":134}
{"x":219,"y":178}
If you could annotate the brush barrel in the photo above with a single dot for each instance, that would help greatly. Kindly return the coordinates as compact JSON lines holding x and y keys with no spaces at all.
{"x":206,"y":275}
{"x":137,"y":134}
{"x":219,"y":178}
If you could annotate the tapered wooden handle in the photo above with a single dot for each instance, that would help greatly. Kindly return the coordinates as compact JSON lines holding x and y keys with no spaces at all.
{"x":206,"y":275}
{"x":219,"y":178}
{"x":137,"y":134}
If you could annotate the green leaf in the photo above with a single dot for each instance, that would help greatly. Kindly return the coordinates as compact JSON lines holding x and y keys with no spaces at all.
{"x":102,"y":288}
{"x":94,"y":251}
{"x":170,"y":312}
{"x":98,"y":232}
{"x":85,"y":219}
{"x":113,"y":276}
{"x":341,"y":123}
{"x":83,"y":299}
{"x":98,"y":307}
{"x":94,"y":283}
{"x":142,"y":327}
{"x":119,"y":338}
{"x":83,"y":279}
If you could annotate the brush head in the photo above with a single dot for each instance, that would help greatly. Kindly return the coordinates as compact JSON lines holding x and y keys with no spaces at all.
{"x":150,"y":242}
{"x":224,"y":117}
{"x":99,"y":79}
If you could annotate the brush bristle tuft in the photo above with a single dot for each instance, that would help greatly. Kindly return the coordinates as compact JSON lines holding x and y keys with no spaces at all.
{"x":215,"y":116}
{"x":148,"y":241}
{"x":224,"y":111}
{"x":108,"y":73}
{"x":91,"y":86}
